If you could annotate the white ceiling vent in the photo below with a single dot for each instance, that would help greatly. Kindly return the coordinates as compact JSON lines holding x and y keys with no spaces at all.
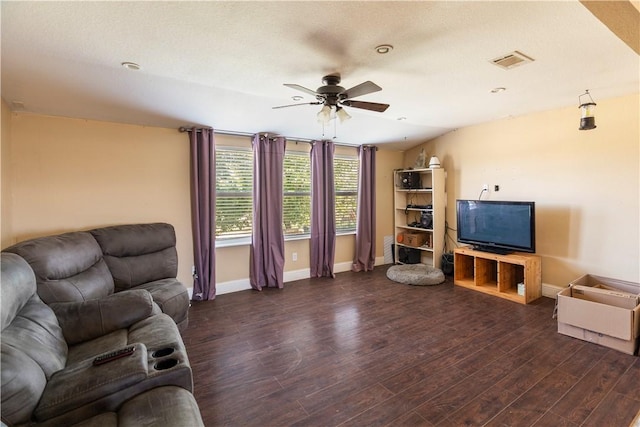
{"x":512,"y":60}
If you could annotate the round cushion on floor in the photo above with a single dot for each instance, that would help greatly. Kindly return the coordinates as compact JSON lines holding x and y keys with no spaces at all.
{"x":415,"y":274}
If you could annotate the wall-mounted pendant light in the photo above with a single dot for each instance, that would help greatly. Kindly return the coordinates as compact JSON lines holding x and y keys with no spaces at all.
{"x":587,"y":119}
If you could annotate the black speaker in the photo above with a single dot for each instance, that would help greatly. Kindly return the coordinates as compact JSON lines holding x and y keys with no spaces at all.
{"x":426,"y":219}
{"x":411,"y":180}
{"x":408,"y":255}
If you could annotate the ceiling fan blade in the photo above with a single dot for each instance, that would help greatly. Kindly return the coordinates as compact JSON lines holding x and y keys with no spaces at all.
{"x":295,"y":105}
{"x":301,"y":88}
{"x":373,"y":106}
{"x":361,"y":89}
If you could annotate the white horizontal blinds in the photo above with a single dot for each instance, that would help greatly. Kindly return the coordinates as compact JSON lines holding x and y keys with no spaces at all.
{"x":297,"y":193}
{"x":346,"y":184}
{"x":234,"y":183}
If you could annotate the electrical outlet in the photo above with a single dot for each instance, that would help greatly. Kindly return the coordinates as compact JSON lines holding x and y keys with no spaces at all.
{"x":485,"y":187}
{"x":295,"y":256}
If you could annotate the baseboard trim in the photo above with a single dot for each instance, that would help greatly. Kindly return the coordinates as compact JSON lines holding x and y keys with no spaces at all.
{"x":342,"y":267}
{"x":550,"y":291}
{"x":232,"y":286}
{"x":289,"y":276}
{"x":293,"y":275}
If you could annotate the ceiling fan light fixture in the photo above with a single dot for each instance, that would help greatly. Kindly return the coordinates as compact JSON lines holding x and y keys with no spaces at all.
{"x":383,"y":49}
{"x":324,"y":115}
{"x":342,"y":115}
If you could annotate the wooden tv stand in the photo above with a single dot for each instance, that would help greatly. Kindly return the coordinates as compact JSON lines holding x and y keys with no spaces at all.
{"x":499,"y":275}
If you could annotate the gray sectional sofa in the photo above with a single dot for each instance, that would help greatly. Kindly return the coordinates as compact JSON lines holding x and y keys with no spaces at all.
{"x":84,"y":265}
{"x":60,"y":309}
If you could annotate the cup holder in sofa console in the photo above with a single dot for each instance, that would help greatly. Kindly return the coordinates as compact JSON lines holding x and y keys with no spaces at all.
{"x":165,"y":364}
{"x":163,"y":352}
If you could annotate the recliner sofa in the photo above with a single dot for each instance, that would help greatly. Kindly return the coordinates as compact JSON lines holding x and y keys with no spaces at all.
{"x":84,"y":265}
{"x":47,"y":352}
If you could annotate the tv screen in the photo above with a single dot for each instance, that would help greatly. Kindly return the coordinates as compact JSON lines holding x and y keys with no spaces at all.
{"x":497,"y":226}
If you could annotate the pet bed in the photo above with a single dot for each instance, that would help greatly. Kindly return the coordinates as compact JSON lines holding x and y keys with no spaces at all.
{"x":415,"y":274}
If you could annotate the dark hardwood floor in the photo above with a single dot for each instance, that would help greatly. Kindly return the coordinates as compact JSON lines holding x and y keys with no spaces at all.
{"x":360,"y":350}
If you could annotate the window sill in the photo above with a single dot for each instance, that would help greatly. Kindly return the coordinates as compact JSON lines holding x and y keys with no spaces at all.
{"x":246,"y":241}
{"x":228,"y":243}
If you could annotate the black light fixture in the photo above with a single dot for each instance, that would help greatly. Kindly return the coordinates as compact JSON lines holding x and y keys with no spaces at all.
{"x":587,"y":119}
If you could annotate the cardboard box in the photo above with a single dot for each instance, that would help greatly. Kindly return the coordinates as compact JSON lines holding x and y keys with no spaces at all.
{"x":593,"y":313}
{"x":414,"y":239}
{"x":605,"y":296}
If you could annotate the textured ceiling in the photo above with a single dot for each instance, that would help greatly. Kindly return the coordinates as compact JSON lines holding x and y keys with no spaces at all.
{"x":223,"y":64}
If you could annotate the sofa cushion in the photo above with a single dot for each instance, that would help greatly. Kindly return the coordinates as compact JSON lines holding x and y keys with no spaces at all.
{"x":162,"y":406}
{"x":171,"y":296}
{"x":99,"y":317}
{"x":19,"y":285}
{"x":138,"y":253}
{"x":33,"y":347}
{"x":82,"y":383}
{"x":22,"y":385}
{"x":68,"y":267}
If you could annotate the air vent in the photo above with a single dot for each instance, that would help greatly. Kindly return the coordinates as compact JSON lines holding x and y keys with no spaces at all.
{"x":512,"y":60}
{"x":17,"y":105}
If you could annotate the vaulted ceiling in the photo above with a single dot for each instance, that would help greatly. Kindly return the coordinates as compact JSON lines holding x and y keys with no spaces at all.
{"x":223,"y":64}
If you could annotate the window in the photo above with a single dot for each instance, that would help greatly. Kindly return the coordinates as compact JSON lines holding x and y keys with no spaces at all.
{"x":234,"y":184}
{"x":296,"y":213}
{"x":345,"y":169}
{"x":234,"y":188}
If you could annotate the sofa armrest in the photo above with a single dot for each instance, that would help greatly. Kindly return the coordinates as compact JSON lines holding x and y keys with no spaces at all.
{"x":86,"y":320}
{"x":80,"y":384}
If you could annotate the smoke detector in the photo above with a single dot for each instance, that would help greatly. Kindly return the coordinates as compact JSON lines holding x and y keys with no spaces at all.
{"x":512,"y":60}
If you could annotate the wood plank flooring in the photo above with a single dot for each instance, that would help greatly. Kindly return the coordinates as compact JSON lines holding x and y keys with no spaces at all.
{"x":360,"y":350}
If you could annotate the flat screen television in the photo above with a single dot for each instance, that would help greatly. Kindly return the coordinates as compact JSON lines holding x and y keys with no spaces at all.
{"x":497,"y":226}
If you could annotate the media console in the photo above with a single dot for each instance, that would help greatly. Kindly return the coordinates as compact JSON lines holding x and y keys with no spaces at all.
{"x":499,"y":275}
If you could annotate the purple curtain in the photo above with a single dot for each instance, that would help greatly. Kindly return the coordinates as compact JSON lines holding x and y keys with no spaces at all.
{"x":266,"y":262}
{"x":365,"y":256}
{"x":323,"y":220}
{"x":203,"y":212}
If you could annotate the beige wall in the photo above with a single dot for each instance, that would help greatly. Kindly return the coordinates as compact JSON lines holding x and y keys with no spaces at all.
{"x":72,"y":174}
{"x":386,"y":162}
{"x":62,"y":174}
{"x":5,"y":155}
{"x":585,"y":183}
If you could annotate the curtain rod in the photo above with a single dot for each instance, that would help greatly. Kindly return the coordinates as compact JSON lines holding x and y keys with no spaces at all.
{"x":247,"y":134}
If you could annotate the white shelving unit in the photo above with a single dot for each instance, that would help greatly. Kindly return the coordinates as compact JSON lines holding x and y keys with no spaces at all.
{"x":409,"y":206}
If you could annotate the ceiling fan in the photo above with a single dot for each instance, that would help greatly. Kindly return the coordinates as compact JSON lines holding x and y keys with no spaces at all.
{"x":333,"y":97}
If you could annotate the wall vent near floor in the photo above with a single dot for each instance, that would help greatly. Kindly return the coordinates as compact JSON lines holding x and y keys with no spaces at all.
{"x":512,"y":60}
{"x":387,"y":242}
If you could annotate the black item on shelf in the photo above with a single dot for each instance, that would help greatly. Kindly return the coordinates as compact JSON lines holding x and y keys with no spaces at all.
{"x":411,"y":180}
{"x":408,"y":255}
{"x":426,"y":219}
